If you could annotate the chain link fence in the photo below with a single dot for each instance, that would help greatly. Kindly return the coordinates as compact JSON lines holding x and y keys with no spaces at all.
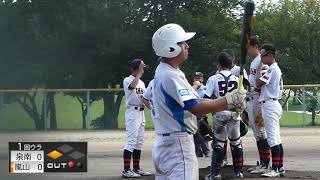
{"x":90,"y":109}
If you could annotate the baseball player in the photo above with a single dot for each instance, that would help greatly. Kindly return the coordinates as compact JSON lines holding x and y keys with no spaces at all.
{"x":271,"y":85}
{"x":254,"y":109}
{"x":198,"y":83}
{"x":201,"y":144}
{"x":175,"y":105}
{"x":235,"y":70}
{"x":226,"y":125}
{"x":147,"y":95}
{"x":134,"y":120}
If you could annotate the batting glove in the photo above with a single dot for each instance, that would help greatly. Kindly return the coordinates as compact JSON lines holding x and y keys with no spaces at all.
{"x":236,"y":99}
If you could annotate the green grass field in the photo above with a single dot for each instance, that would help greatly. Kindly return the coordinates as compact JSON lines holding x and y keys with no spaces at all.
{"x":13,"y":117}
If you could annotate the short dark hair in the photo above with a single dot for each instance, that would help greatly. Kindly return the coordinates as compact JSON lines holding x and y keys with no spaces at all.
{"x":225,"y":60}
{"x":254,"y":41}
{"x":228,"y":51}
{"x":269,"y":48}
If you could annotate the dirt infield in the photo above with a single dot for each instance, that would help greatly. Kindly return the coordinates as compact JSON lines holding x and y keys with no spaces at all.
{"x":228,"y":174}
{"x":301,"y":160}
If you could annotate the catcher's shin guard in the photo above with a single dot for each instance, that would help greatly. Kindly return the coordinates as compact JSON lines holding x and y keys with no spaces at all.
{"x":216,"y":159}
{"x":237,"y":156}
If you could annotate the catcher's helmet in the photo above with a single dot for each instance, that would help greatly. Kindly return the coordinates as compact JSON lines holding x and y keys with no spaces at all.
{"x":165,"y":39}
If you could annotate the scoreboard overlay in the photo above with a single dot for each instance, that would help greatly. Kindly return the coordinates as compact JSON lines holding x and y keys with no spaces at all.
{"x":41,"y":157}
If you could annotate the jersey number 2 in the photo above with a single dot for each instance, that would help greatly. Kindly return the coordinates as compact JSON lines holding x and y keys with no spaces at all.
{"x":223,"y":87}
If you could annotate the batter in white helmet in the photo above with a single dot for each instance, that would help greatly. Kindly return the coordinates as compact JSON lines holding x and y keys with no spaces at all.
{"x":175,"y":105}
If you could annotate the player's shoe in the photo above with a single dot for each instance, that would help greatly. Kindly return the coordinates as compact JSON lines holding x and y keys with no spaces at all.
{"x":271,"y":173}
{"x":282,"y":172}
{"x":129,"y":174}
{"x":224,"y":162}
{"x":255,"y":167}
{"x":260,"y":170}
{"x":238,"y":175}
{"x":216,"y":177}
{"x":142,"y":172}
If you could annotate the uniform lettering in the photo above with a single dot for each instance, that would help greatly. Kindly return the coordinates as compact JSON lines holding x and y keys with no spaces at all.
{"x":223,"y":87}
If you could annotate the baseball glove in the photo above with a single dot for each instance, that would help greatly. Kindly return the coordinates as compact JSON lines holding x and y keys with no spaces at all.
{"x":205,"y":129}
{"x":259,"y":120}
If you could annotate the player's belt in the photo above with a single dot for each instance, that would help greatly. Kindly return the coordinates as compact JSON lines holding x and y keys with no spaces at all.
{"x":175,"y":134}
{"x":136,"y":107}
{"x":139,"y":108}
{"x":273,"y":99}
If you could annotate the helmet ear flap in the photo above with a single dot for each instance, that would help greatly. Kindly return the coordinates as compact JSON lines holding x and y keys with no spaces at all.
{"x":172,"y":51}
{"x":165,"y":39}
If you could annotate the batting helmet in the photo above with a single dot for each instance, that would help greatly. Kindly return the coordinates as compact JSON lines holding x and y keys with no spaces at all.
{"x":165,"y":40}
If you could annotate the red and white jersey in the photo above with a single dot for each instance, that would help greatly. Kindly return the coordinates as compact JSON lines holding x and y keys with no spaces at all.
{"x":133,"y":96}
{"x":221,"y":83}
{"x":253,"y":70}
{"x":274,"y":84}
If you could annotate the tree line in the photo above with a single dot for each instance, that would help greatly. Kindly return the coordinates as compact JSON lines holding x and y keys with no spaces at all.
{"x":89,"y":44}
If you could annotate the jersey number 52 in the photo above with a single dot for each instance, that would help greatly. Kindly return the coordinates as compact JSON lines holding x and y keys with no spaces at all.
{"x":225,"y":87}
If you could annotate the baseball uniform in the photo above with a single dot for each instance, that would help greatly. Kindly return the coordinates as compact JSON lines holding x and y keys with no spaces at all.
{"x":253,"y":106}
{"x":173,"y":150}
{"x":134,"y":115}
{"x":235,"y":70}
{"x":200,"y":91}
{"x":271,"y":92}
{"x":254,"y":112}
{"x":225,"y":125}
{"x":148,"y":95}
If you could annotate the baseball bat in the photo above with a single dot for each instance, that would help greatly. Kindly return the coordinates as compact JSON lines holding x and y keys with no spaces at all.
{"x":245,"y":39}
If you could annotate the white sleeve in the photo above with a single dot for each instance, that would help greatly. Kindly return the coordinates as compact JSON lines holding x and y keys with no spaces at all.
{"x":126,"y":83}
{"x":209,"y":87}
{"x":245,"y":75}
{"x":267,"y":76}
{"x":178,"y":89}
{"x":147,"y":94}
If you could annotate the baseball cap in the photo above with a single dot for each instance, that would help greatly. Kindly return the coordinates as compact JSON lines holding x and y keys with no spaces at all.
{"x":198,"y":74}
{"x":269,"y":48}
{"x":135,"y":63}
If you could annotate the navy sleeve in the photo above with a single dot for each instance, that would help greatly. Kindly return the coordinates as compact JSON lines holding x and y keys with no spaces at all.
{"x":190,"y":103}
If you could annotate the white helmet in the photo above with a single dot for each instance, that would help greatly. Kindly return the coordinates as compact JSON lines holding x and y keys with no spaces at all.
{"x":165,"y":39}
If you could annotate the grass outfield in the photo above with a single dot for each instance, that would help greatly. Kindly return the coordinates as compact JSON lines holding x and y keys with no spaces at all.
{"x":13,"y":117}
